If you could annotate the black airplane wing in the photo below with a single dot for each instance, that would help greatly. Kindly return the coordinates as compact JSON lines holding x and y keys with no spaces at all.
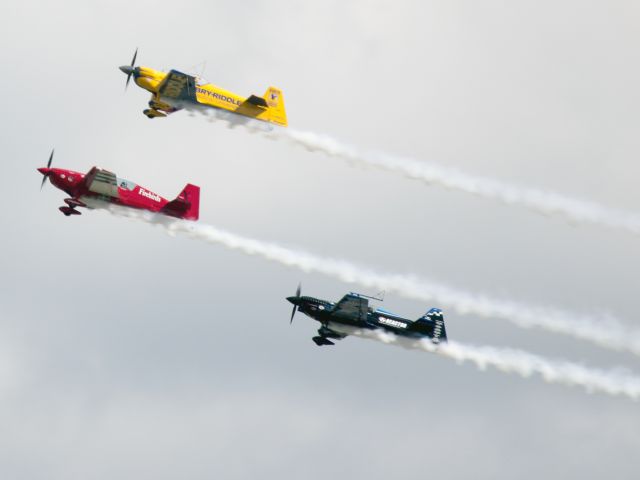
{"x":352,"y":307}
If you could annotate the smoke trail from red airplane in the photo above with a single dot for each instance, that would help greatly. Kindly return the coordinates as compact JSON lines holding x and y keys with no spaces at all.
{"x":602,"y":331}
{"x":613,"y":382}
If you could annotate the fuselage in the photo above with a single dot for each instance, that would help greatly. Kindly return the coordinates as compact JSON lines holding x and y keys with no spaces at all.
{"x":323,"y":312}
{"x":205,"y":93}
{"x":125,"y":193}
{"x":169,"y":95}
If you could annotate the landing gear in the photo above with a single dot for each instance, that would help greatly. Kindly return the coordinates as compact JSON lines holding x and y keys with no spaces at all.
{"x":325,"y":335}
{"x":68,"y":211}
{"x":74,"y":202}
{"x":156,"y":105}
{"x":153,"y":113}
{"x":319,"y":341}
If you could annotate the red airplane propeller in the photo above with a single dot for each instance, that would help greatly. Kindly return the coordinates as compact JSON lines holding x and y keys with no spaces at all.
{"x":47,"y":172}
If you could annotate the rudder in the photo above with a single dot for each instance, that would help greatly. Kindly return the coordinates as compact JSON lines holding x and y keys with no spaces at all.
{"x":431,"y":324}
{"x":275,"y":101}
{"x":186,"y":205}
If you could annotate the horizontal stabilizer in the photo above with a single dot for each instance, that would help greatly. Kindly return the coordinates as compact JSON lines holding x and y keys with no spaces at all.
{"x":257,"y":101}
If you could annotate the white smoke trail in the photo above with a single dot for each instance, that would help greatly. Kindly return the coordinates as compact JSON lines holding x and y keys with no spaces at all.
{"x":617,"y":381}
{"x":541,"y":201}
{"x":603,"y":331}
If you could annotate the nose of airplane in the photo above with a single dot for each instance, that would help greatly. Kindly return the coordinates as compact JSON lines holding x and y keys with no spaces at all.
{"x":294,"y":300}
{"x":44,"y":170}
{"x":126,"y":69}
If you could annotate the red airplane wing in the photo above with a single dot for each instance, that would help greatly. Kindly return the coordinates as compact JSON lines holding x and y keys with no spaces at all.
{"x":97,"y":181}
{"x":102,"y":182}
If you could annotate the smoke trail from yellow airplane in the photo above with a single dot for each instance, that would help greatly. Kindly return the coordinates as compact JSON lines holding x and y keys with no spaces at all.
{"x":617,"y":381}
{"x":603,"y":331}
{"x":545,"y":202}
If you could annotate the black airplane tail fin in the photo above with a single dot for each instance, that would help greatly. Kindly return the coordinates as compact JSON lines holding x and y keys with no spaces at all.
{"x":431,"y":324}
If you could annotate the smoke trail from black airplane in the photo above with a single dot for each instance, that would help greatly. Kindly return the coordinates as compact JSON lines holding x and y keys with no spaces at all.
{"x":612,"y":382}
{"x":617,"y":381}
{"x":604,"y":331}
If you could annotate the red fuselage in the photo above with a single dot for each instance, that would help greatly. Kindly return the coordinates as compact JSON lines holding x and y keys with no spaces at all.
{"x":123,"y":192}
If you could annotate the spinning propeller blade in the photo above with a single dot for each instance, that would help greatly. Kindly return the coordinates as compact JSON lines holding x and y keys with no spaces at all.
{"x":295,"y":306}
{"x":129,"y":70}
{"x":46,"y":175}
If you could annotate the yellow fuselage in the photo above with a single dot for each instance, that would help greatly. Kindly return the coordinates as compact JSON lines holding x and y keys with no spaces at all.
{"x":271,"y":110}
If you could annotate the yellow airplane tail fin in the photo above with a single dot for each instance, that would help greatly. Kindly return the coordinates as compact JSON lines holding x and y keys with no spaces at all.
{"x":275,"y":100}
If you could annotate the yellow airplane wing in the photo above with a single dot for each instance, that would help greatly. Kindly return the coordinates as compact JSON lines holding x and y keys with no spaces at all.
{"x":179,"y":86}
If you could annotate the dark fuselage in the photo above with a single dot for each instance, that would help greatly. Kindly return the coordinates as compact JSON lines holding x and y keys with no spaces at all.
{"x":353,"y":311}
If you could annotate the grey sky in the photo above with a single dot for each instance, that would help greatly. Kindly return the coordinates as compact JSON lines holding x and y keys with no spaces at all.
{"x":127,"y":353}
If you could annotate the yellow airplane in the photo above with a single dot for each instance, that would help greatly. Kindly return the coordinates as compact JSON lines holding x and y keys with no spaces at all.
{"x":175,"y":90}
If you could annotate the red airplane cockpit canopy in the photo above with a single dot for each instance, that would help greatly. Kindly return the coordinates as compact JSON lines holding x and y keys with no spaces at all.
{"x":124,"y":183}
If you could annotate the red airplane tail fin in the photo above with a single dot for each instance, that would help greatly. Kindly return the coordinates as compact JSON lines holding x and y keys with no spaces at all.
{"x":186,"y":205}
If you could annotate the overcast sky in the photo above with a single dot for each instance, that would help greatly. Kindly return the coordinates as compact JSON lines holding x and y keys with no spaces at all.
{"x":127,"y":353}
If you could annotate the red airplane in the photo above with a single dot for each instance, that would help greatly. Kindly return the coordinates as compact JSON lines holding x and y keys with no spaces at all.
{"x":103,"y":185}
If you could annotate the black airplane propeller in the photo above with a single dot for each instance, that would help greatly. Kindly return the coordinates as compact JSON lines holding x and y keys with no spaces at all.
{"x":295,"y":305}
{"x":46,"y":175}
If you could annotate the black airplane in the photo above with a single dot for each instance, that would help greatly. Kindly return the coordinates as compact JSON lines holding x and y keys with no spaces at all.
{"x":354,"y":311}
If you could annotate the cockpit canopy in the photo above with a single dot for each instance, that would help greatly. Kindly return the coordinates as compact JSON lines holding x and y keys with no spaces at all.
{"x":124,"y":183}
